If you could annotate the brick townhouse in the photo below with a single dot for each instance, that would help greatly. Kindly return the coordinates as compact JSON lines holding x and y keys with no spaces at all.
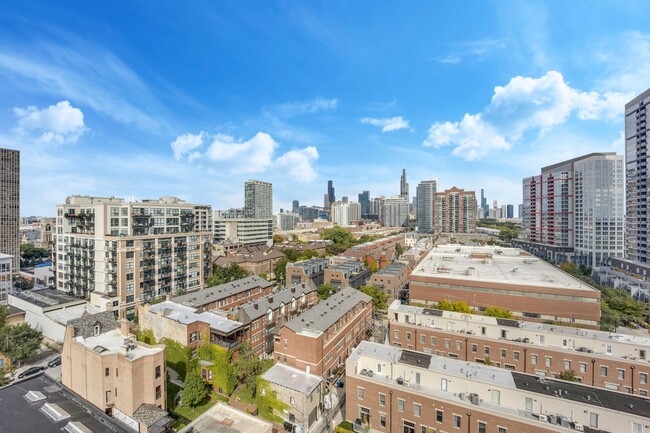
{"x":227,"y":296}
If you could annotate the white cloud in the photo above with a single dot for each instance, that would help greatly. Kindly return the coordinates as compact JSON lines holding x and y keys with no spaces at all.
{"x":524,"y":105}
{"x":60,"y":123}
{"x":291,"y":109}
{"x":299,"y":163}
{"x":387,"y":124}
{"x":476,"y":50}
{"x":255,"y":155}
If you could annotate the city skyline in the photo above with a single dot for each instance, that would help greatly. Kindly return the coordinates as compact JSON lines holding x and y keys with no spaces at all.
{"x":131,"y":115}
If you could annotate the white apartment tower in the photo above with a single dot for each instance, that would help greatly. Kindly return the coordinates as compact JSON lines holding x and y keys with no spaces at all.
{"x":258,"y":199}
{"x":426,"y":194}
{"x":344,"y":213}
{"x":395,"y":212}
{"x":118,"y":254}
{"x":10,"y":205}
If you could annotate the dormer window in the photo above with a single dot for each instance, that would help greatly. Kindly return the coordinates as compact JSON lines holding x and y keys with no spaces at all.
{"x":269,"y":315}
{"x":97,"y":329}
{"x":282,"y":309}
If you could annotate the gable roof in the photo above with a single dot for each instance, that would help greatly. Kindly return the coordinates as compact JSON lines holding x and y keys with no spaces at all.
{"x":253,"y":310}
{"x":85,"y":325}
{"x":211,"y":294}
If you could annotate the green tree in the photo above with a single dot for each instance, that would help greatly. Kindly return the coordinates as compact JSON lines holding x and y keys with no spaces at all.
{"x":20,"y":342}
{"x":277,"y":239}
{"x":459,"y":307}
{"x":280,"y":269}
{"x":341,"y":238}
{"x":399,"y":250}
{"x":4,"y":378}
{"x":247,"y":368}
{"x":379,"y":297}
{"x":222,"y":275}
{"x":23,"y":283}
{"x":498,"y":312}
{"x":195,"y":390}
{"x":30,"y":255}
{"x":325,"y":291}
{"x":569,"y":375}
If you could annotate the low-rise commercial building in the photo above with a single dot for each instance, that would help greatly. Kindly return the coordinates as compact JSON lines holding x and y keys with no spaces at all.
{"x":506,"y":277}
{"x":601,"y":359}
{"x":244,"y":231}
{"x":319,"y":340}
{"x":350,"y":273}
{"x":394,"y":389}
{"x":105,"y":365}
{"x":392,"y":279}
{"x":299,"y":390}
{"x":227,"y":296}
{"x":307,"y":270}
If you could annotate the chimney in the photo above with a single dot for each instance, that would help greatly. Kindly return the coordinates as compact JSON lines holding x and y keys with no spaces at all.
{"x":124,"y":327}
{"x":256,"y":306}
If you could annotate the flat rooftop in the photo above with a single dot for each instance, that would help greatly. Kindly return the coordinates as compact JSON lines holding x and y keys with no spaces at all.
{"x":47,"y":297}
{"x":211,"y":294}
{"x":323,"y":315}
{"x":392,"y":269}
{"x":188,"y":315}
{"x":292,"y":378}
{"x":494,"y":264}
{"x":222,"y":418}
{"x":476,"y":372}
{"x":113,"y":342}
{"x":349,"y":266}
{"x":20,"y":415}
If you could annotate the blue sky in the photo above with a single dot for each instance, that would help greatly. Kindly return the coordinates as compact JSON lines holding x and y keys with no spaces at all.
{"x":191,"y":99}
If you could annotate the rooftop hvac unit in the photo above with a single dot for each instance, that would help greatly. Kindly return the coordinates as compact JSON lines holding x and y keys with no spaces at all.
{"x":543,"y":418}
{"x":578,"y":427}
{"x":473,"y":398}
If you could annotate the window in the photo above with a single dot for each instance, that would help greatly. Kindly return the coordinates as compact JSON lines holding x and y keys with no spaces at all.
{"x":515,"y":355}
{"x":378,"y":368}
{"x":157,"y":371}
{"x":423,"y":429}
{"x":459,"y":345}
{"x":417,"y":409}
{"x":504,"y":353}
{"x":533,"y":359}
{"x":382,"y":399}
{"x":486,"y":350}
{"x":620,"y":374}
{"x":97,"y":329}
{"x":408,"y":336}
{"x":400,"y":405}
{"x":474,"y":348}
{"x":158,"y":392}
{"x":637,"y":428}
{"x":360,"y":393}
{"x":108,"y":396}
{"x":107,"y":372}
{"x":567,"y":365}
{"x":292,"y":401}
{"x":117,"y":372}
{"x":433,"y":341}
{"x":593,"y":420}
{"x":382,"y":420}
{"x":583,"y":367}
{"x":396,"y":334}
{"x":422,"y":337}
{"x":643,"y":378}
{"x":548,"y":361}
{"x":482,"y":427}
{"x":603,"y":370}
{"x":285,"y":343}
{"x":501,"y":430}
{"x":456,"y":421}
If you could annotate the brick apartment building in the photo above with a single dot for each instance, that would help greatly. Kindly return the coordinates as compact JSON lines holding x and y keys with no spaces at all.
{"x":390,"y":389}
{"x":255,"y":259}
{"x":319,"y":340}
{"x":601,"y":359}
{"x":392,"y":279}
{"x":307,"y":270}
{"x":350,"y":273}
{"x":227,"y":296}
{"x":104,"y":364}
{"x":506,"y":277}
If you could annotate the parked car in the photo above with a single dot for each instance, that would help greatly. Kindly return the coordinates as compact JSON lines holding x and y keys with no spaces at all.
{"x":54,"y":361}
{"x":31,"y":371}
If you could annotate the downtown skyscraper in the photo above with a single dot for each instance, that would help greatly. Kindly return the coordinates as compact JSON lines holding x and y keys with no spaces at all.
{"x":404,"y":186}
{"x":10,"y":205}
{"x":636,"y":169}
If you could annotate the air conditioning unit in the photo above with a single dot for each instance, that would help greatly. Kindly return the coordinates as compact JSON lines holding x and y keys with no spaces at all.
{"x":543,"y":418}
{"x":473,"y":398}
{"x":578,"y":427}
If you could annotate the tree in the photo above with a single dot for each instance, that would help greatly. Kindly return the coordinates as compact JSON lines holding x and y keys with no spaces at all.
{"x":379,"y":297}
{"x":341,"y":238}
{"x":280,"y":269}
{"x":30,"y":255}
{"x":569,"y":375}
{"x":23,"y":283}
{"x":247,"y":368}
{"x":399,"y":249}
{"x":497,"y":312}
{"x":325,"y":291}
{"x":195,"y":390}
{"x":20,"y":342}
{"x":459,"y":307}
{"x":277,"y":239}
{"x":222,"y":275}
{"x":4,"y":380}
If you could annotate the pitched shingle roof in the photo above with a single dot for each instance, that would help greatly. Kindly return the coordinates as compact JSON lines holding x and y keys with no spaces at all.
{"x":255,"y":309}
{"x":211,"y":294}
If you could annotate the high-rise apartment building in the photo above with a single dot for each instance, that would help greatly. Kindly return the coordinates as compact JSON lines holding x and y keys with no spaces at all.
{"x":243,"y":231}
{"x":258,"y":199}
{"x":118,"y":254}
{"x":636,"y":160}
{"x":364,"y":201}
{"x":10,"y":205}
{"x":344,"y":213}
{"x":404,"y":186}
{"x":295,"y":206}
{"x":395,"y":212}
{"x":455,"y":211}
{"x":331,"y":197}
{"x":574,"y":210}
{"x":426,"y":193}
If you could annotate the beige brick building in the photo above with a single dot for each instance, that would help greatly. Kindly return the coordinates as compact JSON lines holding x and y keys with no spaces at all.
{"x":455,"y":211}
{"x":103,"y":363}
